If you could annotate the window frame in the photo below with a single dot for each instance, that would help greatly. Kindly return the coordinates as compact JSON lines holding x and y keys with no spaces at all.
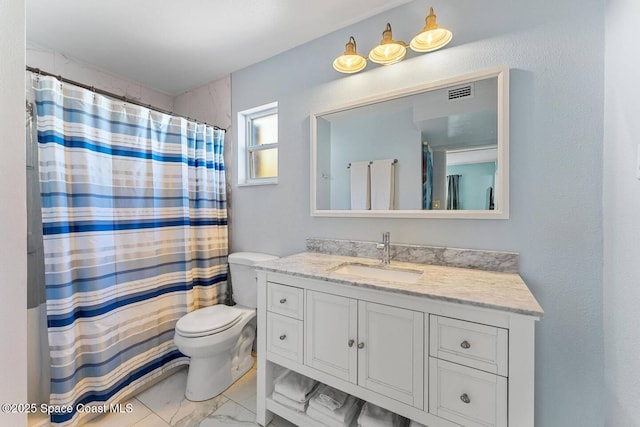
{"x":246,"y":146}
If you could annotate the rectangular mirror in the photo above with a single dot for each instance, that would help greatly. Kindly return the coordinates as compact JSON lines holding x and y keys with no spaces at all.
{"x":439,"y":150}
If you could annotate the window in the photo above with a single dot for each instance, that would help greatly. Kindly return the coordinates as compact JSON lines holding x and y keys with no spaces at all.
{"x":258,"y":145}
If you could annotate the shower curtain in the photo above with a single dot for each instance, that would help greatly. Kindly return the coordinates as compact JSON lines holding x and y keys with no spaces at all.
{"x":427,"y":176}
{"x":453,"y":192}
{"x":135,"y":236}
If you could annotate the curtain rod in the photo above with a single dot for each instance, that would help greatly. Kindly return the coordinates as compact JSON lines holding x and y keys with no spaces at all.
{"x":113,"y":95}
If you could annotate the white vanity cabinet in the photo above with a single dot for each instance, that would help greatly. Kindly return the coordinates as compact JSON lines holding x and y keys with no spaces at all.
{"x":376,"y":346}
{"x":438,"y":361}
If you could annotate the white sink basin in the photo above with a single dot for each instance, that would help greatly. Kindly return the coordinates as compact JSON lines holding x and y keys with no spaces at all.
{"x":379,"y":272}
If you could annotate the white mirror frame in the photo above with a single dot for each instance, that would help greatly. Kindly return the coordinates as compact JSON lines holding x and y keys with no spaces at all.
{"x":502,"y":74}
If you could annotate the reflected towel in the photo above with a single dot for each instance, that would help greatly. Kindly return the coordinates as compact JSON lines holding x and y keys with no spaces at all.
{"x":295,"y":386}
{"x":375,"y":416}
{"x":383,"y":184}
{"x":330,"y":398}
{"x":342,"y":416}
{"x":291,"y":404}
{"x":360,"y":186}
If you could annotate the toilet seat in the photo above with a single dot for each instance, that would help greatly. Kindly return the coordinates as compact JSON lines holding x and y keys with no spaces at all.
{"x":208,"y":321}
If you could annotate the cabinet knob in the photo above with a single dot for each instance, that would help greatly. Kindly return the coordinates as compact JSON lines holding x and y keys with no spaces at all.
{"x":351,"y":343}
{"x":361,"y":345}
{"x":465,"y":398}
{"x":465,"y":344}
{"x":283,"y":300}
{"x":282,"y":337}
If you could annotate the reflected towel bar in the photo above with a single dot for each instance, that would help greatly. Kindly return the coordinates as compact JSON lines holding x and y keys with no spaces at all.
{"x":371,"y":161}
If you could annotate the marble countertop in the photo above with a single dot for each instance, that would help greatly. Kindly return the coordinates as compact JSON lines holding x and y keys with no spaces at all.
{"x":490,"y":289}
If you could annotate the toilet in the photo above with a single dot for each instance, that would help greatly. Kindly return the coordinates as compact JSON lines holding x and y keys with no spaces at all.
{"x":218,"y":339}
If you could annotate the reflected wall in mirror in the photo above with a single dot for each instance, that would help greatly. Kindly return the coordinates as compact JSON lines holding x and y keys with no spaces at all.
{"x":439,"y":150}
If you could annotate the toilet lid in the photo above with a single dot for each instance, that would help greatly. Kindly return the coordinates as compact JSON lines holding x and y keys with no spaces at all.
{"x":208,"y":320}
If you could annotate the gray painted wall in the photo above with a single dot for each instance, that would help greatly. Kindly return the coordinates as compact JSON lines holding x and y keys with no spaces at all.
{"x":13,"y":225}
{"x":555,"y":52}
{"x":621,"y":215}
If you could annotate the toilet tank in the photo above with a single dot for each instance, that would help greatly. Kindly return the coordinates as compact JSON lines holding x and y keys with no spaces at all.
{"x":243,"y":276}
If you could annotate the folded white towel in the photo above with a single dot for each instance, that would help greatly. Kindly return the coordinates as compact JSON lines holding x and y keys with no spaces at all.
{"x":327,"y":420}
{"x":343,"y":415}
{"x":360,"y":186}
{"x":279,"y":372}
{"x":375,"y":416}
{"x":383,"y":184}
{"x":291,"y":404}
{"x":295,"y":386}
{"x":330,"y":397}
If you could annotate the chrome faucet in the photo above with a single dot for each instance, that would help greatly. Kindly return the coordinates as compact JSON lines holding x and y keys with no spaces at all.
{"x":386,"y":252}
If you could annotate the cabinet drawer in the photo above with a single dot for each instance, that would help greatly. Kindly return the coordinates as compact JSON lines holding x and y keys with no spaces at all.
{"x":470,"y":344}
{"x":285,"y":300}
{"x":284,"y":336}
{"x":467,"y":396}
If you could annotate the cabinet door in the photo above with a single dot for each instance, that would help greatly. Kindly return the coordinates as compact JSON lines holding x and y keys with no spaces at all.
{"x":391,"y":352}
{"x":331,"y":334}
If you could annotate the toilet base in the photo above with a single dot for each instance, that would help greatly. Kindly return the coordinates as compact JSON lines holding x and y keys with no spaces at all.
{"x":217,"y":370}
{"x":220,"y":370}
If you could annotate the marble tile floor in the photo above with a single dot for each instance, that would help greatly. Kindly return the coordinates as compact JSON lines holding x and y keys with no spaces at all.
{"x":164,"y":405}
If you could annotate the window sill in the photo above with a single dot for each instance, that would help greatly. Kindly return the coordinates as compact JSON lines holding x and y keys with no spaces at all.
{"x":266,"y":181}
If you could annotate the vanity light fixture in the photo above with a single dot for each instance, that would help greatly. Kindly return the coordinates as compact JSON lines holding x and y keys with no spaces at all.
{"x":389,"y":51}
{"x":432,"y":36}
{"x":350,"y":62}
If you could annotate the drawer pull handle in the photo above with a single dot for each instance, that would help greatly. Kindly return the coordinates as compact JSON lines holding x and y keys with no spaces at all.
{"x":361,"y":345}
{"x":465,"y":398}
{"x":351,"y":342}
{"x":282,"y":337}
{"x":283,"y":300}
{"x":465,"y":344}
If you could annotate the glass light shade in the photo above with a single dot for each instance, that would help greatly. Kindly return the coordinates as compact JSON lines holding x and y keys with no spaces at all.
{"x":389,"y":51}
{"x":350,"y":61}
{"x":432,"y":36}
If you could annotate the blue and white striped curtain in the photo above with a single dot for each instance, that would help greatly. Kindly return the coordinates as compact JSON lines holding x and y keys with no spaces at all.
{"x":135,"y":236}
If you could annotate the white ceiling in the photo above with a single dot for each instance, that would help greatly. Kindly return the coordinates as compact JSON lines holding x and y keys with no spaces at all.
{"x":173,"y":46}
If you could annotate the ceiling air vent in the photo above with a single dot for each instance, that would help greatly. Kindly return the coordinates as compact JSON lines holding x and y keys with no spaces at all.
{"x":460,"y":92}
